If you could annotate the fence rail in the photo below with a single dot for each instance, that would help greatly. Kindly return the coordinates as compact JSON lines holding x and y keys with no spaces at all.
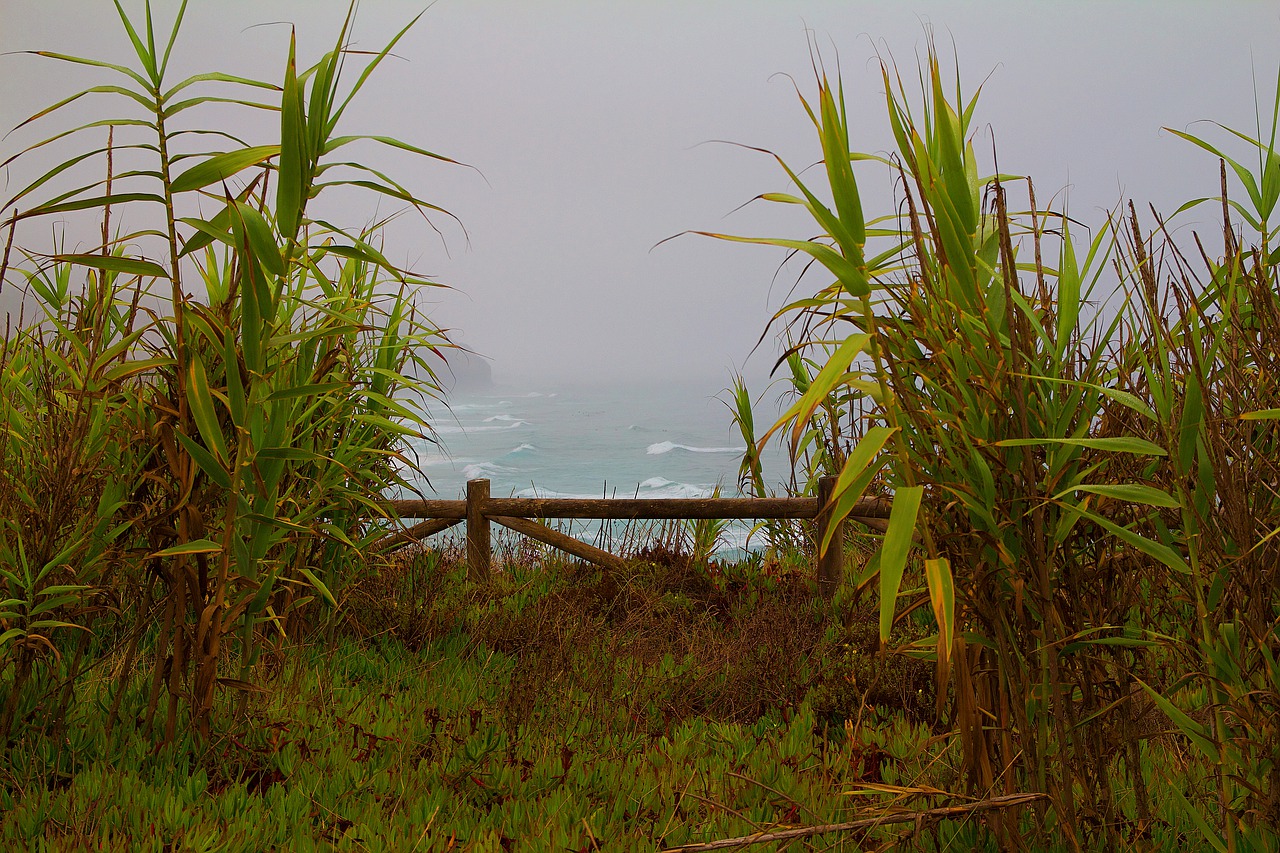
{"x":479,"y":509}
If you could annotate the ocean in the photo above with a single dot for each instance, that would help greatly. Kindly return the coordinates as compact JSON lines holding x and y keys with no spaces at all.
{"x":648,"y":440}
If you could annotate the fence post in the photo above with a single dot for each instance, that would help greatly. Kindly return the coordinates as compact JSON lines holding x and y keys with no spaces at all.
{"x":479,"y":551}
{"x":831,"y":561}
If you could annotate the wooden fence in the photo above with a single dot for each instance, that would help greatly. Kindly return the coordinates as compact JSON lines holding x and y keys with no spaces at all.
{"x":479,"y":509}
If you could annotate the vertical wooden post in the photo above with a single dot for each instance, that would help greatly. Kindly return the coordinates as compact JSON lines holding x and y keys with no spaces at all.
{"x":831,"y":561}
{"x":479,"y":550}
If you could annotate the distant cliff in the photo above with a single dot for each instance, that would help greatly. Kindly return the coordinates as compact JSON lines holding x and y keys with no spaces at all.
{"x":460,"y":370}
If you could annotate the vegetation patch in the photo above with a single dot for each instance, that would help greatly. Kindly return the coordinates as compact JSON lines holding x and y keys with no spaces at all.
{"x":520,"y":713}
{"x":1064,"y":637}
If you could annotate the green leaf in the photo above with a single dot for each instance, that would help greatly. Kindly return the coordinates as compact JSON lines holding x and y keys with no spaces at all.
{"x":292,"y":182}
{"x":942,"y":597}
{"x":1245,"y":176}
{"x":217,"y":77}
{"x":1124,"y":398}
{"x":1129,"y":492}
{"x":1155,"y":550}
{"x":114,"y":200}
{"x":297,"y":454}
{"x":205,"y":460}
{"x":851,"y":277}
{"x":93,"y":63}
{"x":894,"y":551}
{"x":1189,"y":425}
{"x":50,"y":605}
{"x":319,"y":586}
{"x":11,"y":634}
{"x":1261,"y":415}
{"x":856,"y":475}
{"x":145,"y":55}
{"x":338,"y":141}
{"x":206,"y":232}
{"x":63,"y":588}
{"x":222,"y":166}
{"x":132,"y":367}
{"x":1195,"y":732}
{"x":261,"y":240}
{"x":1122,"y":444}
{"x":198,"y":546}
{"x":827,"y":379}
{"x":112,"y":263}
{"x":316,"y":390}
{"x":200,"y":399}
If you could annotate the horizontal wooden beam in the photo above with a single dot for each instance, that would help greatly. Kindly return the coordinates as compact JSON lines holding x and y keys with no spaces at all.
{"x":429,"y":509}
{"x":419,"y":531}
{"x":629,"y":508}
{"x":635,"y":508}
{"x":556,"y":539}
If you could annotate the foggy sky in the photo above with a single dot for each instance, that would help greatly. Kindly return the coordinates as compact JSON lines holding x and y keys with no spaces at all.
{"x":588,"y":125}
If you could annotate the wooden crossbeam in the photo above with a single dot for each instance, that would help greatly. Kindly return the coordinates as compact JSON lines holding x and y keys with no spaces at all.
{"x":556,"y":539}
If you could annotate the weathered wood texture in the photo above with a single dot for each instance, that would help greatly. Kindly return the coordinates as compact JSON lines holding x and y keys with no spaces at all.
{"x":831,"y":560}
{"x":556,"y":539}
{"x":417,"y":532}
{"x":480,"y":508}
{"x":633,"y":508}
{"x":479,"y":548}
{"x":429,"y":509}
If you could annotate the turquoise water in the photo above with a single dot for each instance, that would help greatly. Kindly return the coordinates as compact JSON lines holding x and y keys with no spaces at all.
{"x":669,"y":440}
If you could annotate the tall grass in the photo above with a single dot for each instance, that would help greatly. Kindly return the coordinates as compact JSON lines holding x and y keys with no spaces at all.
{"x":207,"y":406}
{"x":1089,"y":495}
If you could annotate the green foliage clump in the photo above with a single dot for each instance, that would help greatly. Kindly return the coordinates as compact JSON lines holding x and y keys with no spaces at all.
{"x":1087,"y":476}
{"x":206,"y":408}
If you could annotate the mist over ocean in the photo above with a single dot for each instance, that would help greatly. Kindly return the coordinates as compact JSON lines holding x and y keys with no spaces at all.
{"x":648,"y":440}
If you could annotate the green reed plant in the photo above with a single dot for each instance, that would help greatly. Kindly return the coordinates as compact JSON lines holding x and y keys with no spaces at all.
{"x":1205,"y":364}
{"x":66,"y":474}
{"x":820,"y":451}
{"x":1054,"y":468}
{"x":248,"y":433}
{"x":781,"y":536}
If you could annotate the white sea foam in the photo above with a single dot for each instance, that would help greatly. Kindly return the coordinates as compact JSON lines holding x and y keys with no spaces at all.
{"x":483,"y":471}
{"x":538,"y":492}
{"x":573,"y":447}
{"x":676,"y":490}
{"x":654,"y":487}
{"x":459,"y":430}
{"x":668,"y":446}
{"x":467,"y":407}
{"x":656,"y":483}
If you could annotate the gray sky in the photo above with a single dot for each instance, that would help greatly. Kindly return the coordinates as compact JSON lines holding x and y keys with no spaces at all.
{"x":586,"y":118}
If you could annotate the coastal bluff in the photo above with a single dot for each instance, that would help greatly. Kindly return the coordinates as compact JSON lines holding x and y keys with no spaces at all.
{"x":459,"y":369}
